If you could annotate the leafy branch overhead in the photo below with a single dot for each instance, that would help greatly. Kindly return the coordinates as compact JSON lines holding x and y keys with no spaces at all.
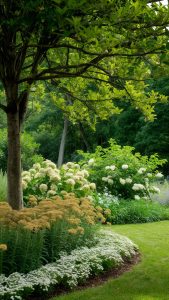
{"x":101,"y":44}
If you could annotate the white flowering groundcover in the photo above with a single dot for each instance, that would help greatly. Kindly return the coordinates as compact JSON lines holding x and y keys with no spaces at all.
{"x":110,"y":251}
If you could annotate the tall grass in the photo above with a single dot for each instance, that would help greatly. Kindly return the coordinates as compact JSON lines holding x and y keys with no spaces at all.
{"x":3,"y":186}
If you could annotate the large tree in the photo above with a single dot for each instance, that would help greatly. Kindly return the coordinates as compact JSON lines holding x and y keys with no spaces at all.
{"x":67,"y":39}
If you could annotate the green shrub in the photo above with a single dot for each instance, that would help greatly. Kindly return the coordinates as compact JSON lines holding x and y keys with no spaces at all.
{"x":124,"y":174}
{"x":3,"y":186}
{"x":29,"y":150}
{"x":126,"y":212}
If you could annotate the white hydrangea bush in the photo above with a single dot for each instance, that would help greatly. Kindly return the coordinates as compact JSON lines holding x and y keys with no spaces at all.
{"x":46,"y":180}
{"x":125,"y":174}
{"x":110,"y":251}
{"x":127,"y":182}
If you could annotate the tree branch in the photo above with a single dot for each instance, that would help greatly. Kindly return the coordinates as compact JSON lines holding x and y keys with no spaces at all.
{"x":55,"y":73}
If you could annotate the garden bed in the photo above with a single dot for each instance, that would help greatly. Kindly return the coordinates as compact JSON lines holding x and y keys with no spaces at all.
{"x":112,"y":251}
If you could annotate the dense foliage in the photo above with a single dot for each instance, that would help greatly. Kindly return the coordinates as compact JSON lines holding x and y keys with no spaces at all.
{"x":29,"y":150}
{"x":127,"y":212}
{"x":124,"y":174}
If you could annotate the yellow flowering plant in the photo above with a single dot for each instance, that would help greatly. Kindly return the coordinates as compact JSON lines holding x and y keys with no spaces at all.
{"x":36,"y":235}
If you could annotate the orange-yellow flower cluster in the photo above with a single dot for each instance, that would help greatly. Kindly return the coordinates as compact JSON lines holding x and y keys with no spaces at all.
{"x":75,"y":212}
{"x":3,"y":247}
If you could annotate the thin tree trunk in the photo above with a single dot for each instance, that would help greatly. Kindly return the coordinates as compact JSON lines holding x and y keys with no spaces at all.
{"x":14,"y":161}
{"x":62,"y":143}
{"x":84,"y":137}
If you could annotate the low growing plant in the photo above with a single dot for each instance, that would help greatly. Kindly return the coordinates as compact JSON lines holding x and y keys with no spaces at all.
{"x":70,"y":270}
{"x":125,"y":212}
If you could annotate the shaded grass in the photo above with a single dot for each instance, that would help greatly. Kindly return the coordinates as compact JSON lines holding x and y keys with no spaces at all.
{"x":149,"y":280}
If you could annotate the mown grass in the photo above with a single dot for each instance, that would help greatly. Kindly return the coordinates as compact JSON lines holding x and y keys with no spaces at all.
{"x":149,"y":280}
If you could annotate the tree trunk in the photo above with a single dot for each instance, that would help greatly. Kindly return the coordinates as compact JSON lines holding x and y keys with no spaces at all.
{"x":62,"y":143}
{"x":14,"y":161}
{"x":82,"y":133}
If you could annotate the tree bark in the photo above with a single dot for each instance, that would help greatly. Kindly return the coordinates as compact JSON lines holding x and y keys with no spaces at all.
{"x":62,"y":143}
{"x":15,"y":198}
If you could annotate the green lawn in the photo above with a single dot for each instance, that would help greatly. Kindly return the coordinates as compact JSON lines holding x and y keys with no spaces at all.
{"x":149,"y":280}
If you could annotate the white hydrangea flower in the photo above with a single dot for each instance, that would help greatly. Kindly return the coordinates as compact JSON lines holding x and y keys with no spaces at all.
{"x":51,"y":193}
{"x":124,"y":167}
{"x":122,"y":181}
{"x":32,"y":171}
{"x":27,"y":178}
{"x":24,"y":184}
{"x":55,"y":177}
{"x":76,"y":178}
{"x":138,"y":186}
{"x":43,"y":187}
{"x":110,"y":181}
{"x":76,"y":166}
{"x":37,"y":166}
{"x":69,"y":174}
{"x":149,"y":175}
{"x":42,"y":170}
{"x":159,"y":175}
{"x":70,"y":164}
{"x":85,"y":187}
{"x":91,"y":161}
{"x":141,"y":170}
{"x":107,"y":167}
{"x":129,"y":180}
{"x":92,"y":186}
{"x":137,"y":197}
{"x":53,"y":187}
{"x":65,"y":167}
{"x":155,"y":189}
{"x":90,"y":197}
{"x":104,"y":179}
{"x":112,"y":167}
{"x":50,"y":171}
{"x":70,"y":181}
{"x":49,"y":163}
{"x":37,"y":175}
{"x":26,"y":173}
{"x":85,"y":173}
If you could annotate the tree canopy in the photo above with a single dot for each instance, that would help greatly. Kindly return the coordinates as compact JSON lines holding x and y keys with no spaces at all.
{"x":92,"y":51}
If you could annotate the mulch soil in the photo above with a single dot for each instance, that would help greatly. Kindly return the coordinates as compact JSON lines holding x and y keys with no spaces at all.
{"x":93,"y":281}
